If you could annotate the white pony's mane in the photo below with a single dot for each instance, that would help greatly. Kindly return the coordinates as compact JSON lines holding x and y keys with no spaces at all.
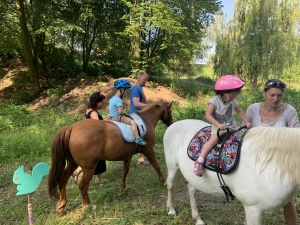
{"x":279,"y":144}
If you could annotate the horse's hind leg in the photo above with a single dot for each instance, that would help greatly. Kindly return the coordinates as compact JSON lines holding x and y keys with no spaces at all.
{"x":253,"y":215}
{"x":195,"y":212}
{"x":61,"y":204}
{"x":172,"y":180}
{"x":84,"y":186}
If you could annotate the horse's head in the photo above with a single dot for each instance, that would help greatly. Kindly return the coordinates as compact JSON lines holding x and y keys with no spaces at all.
{"x":167,"y":117}
{"x":155,"y":111}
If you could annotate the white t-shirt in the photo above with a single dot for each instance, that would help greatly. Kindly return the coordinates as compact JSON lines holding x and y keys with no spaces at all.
{"x":224,"y":111}
{"x":289,"y":117}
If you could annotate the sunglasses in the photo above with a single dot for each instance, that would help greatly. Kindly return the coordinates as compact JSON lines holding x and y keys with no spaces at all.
{"x":276,"y":84}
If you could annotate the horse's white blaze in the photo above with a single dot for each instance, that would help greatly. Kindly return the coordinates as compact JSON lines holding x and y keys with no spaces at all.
{"x":261,"y":182}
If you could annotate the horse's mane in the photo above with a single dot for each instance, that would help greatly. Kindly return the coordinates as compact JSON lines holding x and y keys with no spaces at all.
{"x":280,"y":144}
{"x":150,"y":106}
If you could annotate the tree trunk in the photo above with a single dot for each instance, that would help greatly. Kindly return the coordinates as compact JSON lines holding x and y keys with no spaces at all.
{"x":27,"y":44}
{"x":135,"y":40}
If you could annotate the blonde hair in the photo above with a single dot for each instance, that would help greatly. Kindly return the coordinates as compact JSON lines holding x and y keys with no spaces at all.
{"x":280,"y":144}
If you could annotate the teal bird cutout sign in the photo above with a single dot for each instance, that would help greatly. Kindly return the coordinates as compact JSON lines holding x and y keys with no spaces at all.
{"x":28,"y":183}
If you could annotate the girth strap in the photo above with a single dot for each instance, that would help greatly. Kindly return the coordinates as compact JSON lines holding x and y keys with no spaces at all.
{"x":217,"y":156}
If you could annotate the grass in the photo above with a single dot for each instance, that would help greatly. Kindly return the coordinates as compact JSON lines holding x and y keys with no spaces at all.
{"x":143,"y":203}
{"x":25,"y":139}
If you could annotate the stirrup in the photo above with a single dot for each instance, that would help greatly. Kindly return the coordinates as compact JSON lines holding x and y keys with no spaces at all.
{"x":140,"y":141}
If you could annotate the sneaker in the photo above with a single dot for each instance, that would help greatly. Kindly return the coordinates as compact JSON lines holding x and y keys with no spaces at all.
{"x":140,"y":141}
{"x":198,"y":166}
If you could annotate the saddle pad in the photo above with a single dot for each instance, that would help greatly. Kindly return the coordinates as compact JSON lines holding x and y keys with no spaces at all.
{"x":140,"y":124}
{"x":126,"y":129}
{"x":230,"y":152}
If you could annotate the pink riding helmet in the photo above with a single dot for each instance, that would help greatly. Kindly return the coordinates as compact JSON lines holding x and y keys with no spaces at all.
{"x":228,"y":82}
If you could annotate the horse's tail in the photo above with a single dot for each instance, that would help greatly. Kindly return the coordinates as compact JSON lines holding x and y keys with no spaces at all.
{"x":60,"y":153}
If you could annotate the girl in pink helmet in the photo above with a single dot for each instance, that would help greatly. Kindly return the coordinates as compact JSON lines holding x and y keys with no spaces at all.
{"x":220,"y":113}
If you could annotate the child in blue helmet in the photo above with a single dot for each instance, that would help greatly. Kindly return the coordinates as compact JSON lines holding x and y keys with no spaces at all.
{"x":116,"y":109}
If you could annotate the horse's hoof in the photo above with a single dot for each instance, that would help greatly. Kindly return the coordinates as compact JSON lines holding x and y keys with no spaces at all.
{"x":59,"y":213}
{"x":59,"y":210}
{"x":171,"y":213}
{"x":199,"y":222}
{"x":89,"y":207}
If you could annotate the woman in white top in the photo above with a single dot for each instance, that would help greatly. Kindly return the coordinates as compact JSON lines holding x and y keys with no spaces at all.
{"x":273,"y":113}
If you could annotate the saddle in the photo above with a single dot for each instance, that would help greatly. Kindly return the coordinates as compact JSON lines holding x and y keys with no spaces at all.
{"x":126,"y":130}
{"x":222,"y":159}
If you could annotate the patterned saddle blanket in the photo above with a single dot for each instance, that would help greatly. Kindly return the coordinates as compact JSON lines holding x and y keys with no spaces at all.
{"x":229,"y":156}
{"x":126,"y":131}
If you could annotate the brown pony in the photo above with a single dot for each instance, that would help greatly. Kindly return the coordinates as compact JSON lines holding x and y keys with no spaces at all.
{"x":88,"y":141}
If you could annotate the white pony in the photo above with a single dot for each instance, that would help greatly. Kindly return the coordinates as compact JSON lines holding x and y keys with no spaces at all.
{"x":267,"y":177}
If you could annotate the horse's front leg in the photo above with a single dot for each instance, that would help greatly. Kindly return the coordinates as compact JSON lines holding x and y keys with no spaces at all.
{"x":195,"y":212}
{"x":253,"y":215}
{"x":62,"y":202}
{"x":152,"y":159}
{"x":84,"y":186}
{"x":126,"y":164}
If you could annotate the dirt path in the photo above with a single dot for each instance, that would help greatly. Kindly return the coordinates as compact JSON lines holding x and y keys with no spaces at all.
{"x":80,"y":91}
{"x":6,"y":81}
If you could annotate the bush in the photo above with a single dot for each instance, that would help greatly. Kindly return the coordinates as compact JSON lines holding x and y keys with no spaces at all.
{"x":14,"y":117}
{"x":22,"y":97}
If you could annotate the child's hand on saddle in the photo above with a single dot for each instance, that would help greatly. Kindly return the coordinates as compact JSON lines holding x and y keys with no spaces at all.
{"x":222,"y":126}
{"x":248,"y":124}
{"x":109,"y":117}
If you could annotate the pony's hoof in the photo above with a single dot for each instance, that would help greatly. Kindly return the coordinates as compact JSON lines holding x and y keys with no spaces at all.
{"x":163,"y":182}
{"x":89,"y":207}
{"x":59,"y":210}
{"x":123,"y":190}
{"x":171,"y":213}
{"x":199,"y":222}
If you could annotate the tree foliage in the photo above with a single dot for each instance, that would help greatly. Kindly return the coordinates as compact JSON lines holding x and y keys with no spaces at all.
{"x":98,"y":37}
{"x":167,"y":33}
{"x":262,"y":40}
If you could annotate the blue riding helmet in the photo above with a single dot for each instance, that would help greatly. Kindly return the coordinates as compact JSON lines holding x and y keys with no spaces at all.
{"x":122,"y":83}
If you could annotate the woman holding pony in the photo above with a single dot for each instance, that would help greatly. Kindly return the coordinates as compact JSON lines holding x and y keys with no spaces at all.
{"x":273,"y":113}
